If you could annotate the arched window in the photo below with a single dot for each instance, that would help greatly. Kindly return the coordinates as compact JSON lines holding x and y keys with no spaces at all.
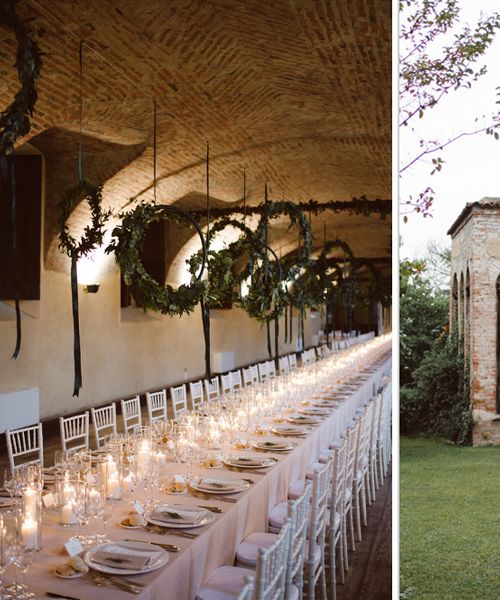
{"x":498,"y":344}
{"x":454,"y":302}
{"x":461,"y":307}
{"x":467,"y":324}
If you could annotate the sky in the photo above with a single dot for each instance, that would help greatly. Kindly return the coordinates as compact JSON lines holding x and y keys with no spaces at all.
{"x":472,"y":165}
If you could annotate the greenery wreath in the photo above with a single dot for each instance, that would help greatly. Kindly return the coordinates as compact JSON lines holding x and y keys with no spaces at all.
{"x":93,"y":234}
{"x":14,"y":120}
{"x":127,"y":246}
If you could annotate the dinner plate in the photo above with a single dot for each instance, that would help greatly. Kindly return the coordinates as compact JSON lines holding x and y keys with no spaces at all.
{"x":239,"y":462}
{"x":288,"y":430}
{"x":208,"y":517}
{"x":274,"y":446}
{"x":306,"y":420}
{"x":160,"y":562}
{"x":236,"y":485}
{"x":314,"y":410}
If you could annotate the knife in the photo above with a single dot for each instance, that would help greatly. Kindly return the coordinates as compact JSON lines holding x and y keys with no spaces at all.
{"x":168,"y":547}
{"x":53,"y":595}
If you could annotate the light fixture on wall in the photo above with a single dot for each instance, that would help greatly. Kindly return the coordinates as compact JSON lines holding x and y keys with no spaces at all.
{"x":92,"y":288}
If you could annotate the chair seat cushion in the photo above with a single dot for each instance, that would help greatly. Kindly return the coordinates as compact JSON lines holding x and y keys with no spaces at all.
{"x":248,"y":550}
{"x":313,"y":469}
{"x":225,"y":583}
{"x":296,"y":489}
{"x":326,"y":455}
{"x":278,"y":515}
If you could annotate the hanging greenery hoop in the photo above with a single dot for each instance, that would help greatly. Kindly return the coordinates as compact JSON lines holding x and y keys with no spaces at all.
{"x":15,"y":123}
{"x":93,"y":234}
{"x":92,"y":238}
{"x":222,"y":284}
{"x":127,"y":246}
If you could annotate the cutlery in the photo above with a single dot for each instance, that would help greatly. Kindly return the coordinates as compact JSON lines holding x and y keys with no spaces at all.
{"x":165,"y":530}
{"x":214,"y":509}
{"x":211,"y":496}
{"x":168,"y":547}
{"x":101,"y":581}
{"x":61,"y":596}
{"x":240,"y":470}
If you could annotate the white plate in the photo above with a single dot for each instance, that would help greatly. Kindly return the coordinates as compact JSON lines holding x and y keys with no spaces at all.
{"x":321,"y":412}
{"x":122,"y":524}
{"x":275,"y":447}
{"x":208,"y":517}
{"x":170,"y":491}
{"x":292,"y":431}
{"x":239,"y":485}
{"x":75,"y":576}
{"x":303,"y":419}
{"x":162,"y":560}
{"x":233,"y":461}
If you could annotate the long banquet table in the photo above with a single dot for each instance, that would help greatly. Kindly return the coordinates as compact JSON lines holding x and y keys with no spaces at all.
{"x":215,"y":546}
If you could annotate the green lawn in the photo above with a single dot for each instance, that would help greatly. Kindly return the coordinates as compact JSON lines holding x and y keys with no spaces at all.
{"x":449,"y":521}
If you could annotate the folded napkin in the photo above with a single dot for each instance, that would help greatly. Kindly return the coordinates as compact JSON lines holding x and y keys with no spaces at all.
{"x":216,"y":485}
{"x":246,"y":461}
{"x":125,"y":557}
{"x":276,"y":445}
{"x":177,"y":515}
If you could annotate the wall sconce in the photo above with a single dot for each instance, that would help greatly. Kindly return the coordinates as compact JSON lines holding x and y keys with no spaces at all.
{"x":91,"y":289}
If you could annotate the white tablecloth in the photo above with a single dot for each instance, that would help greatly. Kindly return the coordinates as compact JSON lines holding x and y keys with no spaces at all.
{"x":216,"y":544}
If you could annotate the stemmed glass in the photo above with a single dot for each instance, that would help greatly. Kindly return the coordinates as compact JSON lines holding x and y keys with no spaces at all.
{"x":16,"y":556}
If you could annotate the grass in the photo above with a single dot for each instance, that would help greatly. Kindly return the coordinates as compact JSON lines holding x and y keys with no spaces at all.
{"x":449,"y":521}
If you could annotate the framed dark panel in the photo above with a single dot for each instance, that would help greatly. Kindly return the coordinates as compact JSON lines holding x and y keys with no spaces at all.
{"x":28,"y":170}
{"x":153,"y":259}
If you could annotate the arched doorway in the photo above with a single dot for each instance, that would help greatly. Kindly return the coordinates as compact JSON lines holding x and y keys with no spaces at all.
{"x":498,"y":344}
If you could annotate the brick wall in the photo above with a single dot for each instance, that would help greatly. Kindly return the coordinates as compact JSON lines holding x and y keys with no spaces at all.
{"x":476,"y":249}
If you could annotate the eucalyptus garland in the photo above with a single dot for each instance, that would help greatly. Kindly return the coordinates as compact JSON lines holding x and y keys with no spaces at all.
{"x":15,"y":123}
{"x":127,"y":246}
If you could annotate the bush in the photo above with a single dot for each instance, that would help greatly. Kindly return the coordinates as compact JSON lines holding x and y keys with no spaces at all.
{"x":437,"y":402}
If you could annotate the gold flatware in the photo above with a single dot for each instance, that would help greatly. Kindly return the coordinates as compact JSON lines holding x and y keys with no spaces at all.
{"x":168,"y":547}
{"x":205,"y":496}
{"x":214,"y":509}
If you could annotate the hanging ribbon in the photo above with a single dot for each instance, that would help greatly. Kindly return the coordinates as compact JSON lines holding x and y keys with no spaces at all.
{"x":15,"y":261}
{"x":291,"y":325}
{"x":77,"y":354}
{"x":205,"y":308}
{"x":286,"y":324}
{"x":276,"y":338}
{"x":268,"y":332}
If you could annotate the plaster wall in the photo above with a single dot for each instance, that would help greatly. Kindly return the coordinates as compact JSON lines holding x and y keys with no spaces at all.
{"x":119,"y":357}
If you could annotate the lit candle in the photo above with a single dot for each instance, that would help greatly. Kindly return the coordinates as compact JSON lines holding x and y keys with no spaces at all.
{"x":144,"y":456}
{"x":29,"y":532}
{"x":113,"y":487}
{"x":30,"y":499}
{"x":67,"y":516}
{"x":127,"y":482}
{"x":162,"y":459}
{"x":68,"y":494}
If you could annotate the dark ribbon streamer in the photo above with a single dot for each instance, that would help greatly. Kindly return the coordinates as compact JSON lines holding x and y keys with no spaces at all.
{"x":286,"y":324}
{"x":291,"y":325}
{"x":76,"y":328}
{"x":205,"y":308}
{"x":13,"y":208}
{"x":276,"y":339}
{"x":268,"y":331}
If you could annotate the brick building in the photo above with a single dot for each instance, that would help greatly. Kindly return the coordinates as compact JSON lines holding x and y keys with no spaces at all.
{"x":475,"y":308}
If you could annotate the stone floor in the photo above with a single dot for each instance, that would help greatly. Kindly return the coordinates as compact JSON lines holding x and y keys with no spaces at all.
{"x":370,"y":572}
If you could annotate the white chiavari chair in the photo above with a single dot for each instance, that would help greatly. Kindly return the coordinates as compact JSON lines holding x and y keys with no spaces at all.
{"x":236,"y":382}
{"x":305,"y":358}
{"x":373,"y":482}
{"x":104,"y":423}
{"x":156,"y":403}
{"x":352,"y":441}
{"x":271,"y":369}
{"x":212,"y":390}
{"x":74,"y":432}
{"x":360,"y":479}
{"x":226,"y":382}
{"x":248,"y":377}
{"x":179,"y":400}
{"x":262,"y":371}
{"x":131,"y":414}
{"x":255,"y":373}
{"x":228,"y":582}
{"x":334,"y":526}
{"x":284,"y":366}
{"x":196,"y":393}
{"x":25,"y":442}
{"x":247,"y":592}
{"x":292,"y":359}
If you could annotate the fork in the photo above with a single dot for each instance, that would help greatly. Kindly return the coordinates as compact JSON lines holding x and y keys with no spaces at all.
{"x":100,"y":581}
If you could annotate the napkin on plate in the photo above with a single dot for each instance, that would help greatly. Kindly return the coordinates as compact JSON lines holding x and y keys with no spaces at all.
{"x":177,"y":515}
{"x":126,"y":557}
{"x":246,"y":461}
{"x":218,"y":485}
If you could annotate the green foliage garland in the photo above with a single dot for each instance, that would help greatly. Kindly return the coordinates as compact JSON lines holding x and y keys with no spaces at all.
{"x":94,"y":233}
{"x":127,"y":245}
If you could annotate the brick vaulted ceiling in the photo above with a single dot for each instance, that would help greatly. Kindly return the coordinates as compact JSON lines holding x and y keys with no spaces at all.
{"x":296,"y":91}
